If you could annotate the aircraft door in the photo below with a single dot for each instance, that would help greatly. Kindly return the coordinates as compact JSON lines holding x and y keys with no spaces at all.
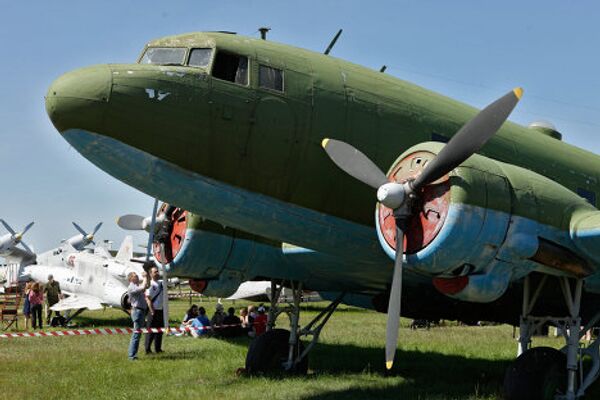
{"x":232,"y":100}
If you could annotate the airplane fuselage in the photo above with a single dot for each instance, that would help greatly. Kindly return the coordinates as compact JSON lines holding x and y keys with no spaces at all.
{"x":237,"y":140}
{"x":80,"y":272}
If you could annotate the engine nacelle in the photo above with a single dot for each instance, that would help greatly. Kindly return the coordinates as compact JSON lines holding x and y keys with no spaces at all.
{"x":219,"y":259}
{"x":483,"y":224}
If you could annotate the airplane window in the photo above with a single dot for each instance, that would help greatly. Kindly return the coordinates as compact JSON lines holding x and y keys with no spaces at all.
{"x":200,"y":57}
{"x":163,"y":56}
{"x":231,"y":67}
{"x":270,"y":78}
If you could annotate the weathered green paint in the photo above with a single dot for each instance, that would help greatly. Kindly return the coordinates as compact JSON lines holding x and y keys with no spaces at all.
{"x":324,"y":96}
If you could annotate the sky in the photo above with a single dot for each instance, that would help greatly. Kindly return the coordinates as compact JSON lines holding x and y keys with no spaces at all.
{"x":471,"y":51}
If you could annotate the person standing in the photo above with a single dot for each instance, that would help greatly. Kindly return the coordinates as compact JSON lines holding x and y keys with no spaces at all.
{"x":154,"y":296}
{"x":27,"y":305}
{"x":36,"y":299}
{"x":137,"y":297}
{"x":53,"y":295}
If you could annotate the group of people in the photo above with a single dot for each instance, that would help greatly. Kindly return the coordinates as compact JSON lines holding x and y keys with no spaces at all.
{"x":252,"y":321}
{"x":146,"y":298}
{"x":34,"y":296}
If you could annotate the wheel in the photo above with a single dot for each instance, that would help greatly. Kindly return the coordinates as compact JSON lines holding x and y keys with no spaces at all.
{"x":268,"y":352}
{"x":537,"y":374}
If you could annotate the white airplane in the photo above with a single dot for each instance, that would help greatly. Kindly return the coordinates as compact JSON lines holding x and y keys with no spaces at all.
{"x":91,"y":278}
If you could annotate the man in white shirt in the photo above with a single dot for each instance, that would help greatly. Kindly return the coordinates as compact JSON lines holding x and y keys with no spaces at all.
{"x":154,"y":296}
{"x":139,"y":306}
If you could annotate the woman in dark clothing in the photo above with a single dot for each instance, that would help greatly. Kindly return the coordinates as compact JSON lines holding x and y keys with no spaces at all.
{"x":27,"y":305}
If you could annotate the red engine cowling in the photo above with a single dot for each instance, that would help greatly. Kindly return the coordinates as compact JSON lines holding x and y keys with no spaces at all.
{"x":171,"y":234}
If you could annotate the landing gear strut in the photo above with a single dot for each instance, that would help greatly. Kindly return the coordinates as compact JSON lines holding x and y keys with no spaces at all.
{"x":279,"y":350}
{"x":540,"y":373}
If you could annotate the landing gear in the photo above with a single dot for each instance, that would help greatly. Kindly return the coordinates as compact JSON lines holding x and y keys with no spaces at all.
{"x":545,"y":373}
{"x":268,"y":354}
{"x":538,"y":373}
{"x":281,"y":351}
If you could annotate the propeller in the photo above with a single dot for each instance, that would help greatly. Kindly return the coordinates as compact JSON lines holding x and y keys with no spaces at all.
{"x":18,"y":237}
{"x":88,"y":237}
{"x":133,"y":222}
{"x":401,"y":197}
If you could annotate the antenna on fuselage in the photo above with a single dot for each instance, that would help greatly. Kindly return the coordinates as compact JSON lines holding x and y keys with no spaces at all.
{"x":333,"y":41}
{"x":263,"y":32}
{"x":383,"y":68}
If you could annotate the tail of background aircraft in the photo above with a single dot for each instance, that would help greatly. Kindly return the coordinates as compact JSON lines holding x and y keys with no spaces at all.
{"x":126,"y":251}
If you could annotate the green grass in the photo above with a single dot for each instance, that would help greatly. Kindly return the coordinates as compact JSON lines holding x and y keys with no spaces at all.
{"x":451,"y":362}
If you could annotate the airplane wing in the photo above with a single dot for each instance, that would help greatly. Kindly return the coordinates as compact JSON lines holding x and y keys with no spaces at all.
{"x":18,"y":255}
{"x":252,"y":290}
{"x":102,"y":251}
{"x":77,"y":301}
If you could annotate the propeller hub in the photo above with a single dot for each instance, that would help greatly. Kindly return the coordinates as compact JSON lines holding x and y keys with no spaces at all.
{"x":391,"y":194}
{"x":425,"y":214}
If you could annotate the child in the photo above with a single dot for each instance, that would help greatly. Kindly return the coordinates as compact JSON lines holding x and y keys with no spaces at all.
{"x":260,"y":322}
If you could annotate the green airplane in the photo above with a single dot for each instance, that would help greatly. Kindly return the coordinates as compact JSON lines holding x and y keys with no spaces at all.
{"x":269,"y":159}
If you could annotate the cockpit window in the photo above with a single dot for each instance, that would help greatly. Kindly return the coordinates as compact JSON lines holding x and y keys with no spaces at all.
{"x":163,"y":56}
{"x":200,"y":57}
{"x":231,"y":67}
{"x":270,"y":78}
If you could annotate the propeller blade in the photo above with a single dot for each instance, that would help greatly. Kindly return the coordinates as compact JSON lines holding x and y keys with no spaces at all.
{"x":354,"y":163}
{"x":79,"y":229}
{"x":27,"y":228}
{"x":470,"y":138}
{"x":393,"y":313}
{"x":131,"y":222}
{"x":26,"y":247}
{"x":96,"y":229}
{"x":7,"y":226}
{"x":151,"y":233}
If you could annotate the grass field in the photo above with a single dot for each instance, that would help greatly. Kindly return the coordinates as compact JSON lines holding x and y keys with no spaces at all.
{"x":451,"y":362}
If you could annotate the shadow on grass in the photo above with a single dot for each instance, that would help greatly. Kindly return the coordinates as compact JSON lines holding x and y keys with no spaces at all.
{"x":425,"y":374}
{"x":88,"y":322}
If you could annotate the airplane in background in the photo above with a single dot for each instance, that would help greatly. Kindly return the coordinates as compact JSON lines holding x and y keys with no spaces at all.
{"x":91,"y":279}
{"x":476,"y":218}
{"x":80,"y":241}
{"x":10,"y":241}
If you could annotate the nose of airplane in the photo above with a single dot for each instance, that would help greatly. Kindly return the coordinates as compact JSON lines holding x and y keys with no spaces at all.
{"x":78,"y":99}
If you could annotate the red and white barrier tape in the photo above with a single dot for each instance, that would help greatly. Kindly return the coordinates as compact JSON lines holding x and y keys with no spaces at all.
{"x":110,"y":331}
{"x":184,"y":295}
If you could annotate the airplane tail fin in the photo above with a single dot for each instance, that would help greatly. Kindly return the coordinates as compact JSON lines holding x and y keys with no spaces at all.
{"x":126,"y":251}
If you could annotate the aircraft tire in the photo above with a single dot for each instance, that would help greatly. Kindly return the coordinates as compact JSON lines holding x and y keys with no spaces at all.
{"x":269,"y":351}
{"x":537,"y":374}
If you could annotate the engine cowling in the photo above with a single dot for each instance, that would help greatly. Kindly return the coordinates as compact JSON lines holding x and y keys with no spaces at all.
{"x":482,"y":225}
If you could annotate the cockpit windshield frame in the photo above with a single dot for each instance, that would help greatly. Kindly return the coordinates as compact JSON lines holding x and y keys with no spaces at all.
{"x":182,"y":62}
{"x":209,"y":59}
